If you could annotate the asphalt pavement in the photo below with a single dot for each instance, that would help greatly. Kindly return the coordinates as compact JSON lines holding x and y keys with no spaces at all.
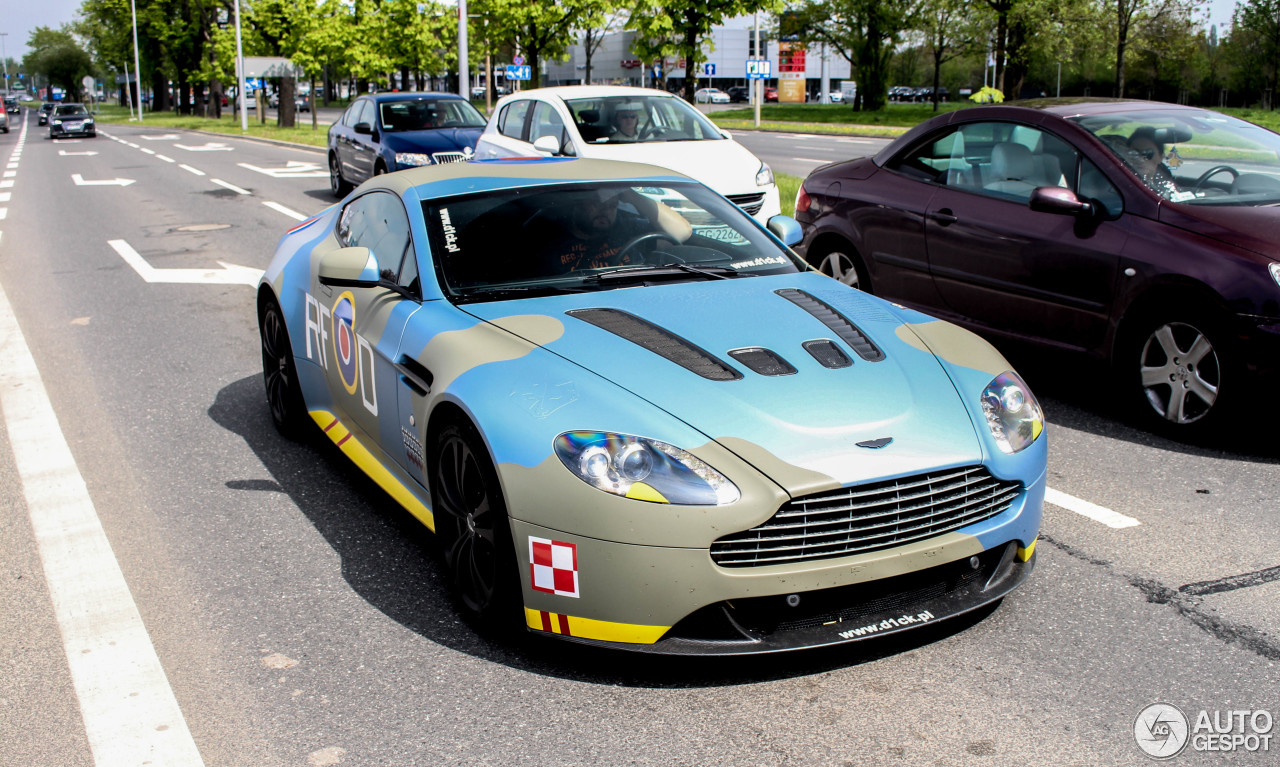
{"x":299,"y":616}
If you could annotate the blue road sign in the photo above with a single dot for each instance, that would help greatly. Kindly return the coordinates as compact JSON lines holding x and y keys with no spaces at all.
{"x":759,"y":70}
{"x":519,"y":72}
{"x":709,"y":70}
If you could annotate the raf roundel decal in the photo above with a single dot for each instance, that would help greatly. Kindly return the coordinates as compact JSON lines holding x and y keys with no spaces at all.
{"x":553,"y":567}
{"x":344,"y":340}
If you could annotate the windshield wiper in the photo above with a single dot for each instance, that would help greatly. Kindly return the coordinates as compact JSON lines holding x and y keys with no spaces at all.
{"x":666,"y":271}
{"x":490,"y":292}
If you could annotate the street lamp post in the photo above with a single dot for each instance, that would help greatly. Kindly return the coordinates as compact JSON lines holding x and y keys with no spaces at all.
{"x":137,"y":69}
{"x":464,"y":65}
{"x":240,"y":95}
{"x":5,"y":59}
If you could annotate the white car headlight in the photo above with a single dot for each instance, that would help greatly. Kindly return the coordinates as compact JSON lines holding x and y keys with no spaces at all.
{"x":1013,"y":415}
{"x":57,"y":122}
{"x":764,"y":176}
{"x":412,"y":158}
{"x":643,"y":469}
{"x":1275,"y":272}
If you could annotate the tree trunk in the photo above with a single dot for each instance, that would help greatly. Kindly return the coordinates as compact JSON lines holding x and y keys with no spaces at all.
{"x":286,"y":114}
{"x":586,"y":77}
{"x":690,"y":48}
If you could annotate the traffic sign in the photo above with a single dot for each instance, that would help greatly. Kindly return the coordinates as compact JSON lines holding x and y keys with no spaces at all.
{"x":709,"y":70}
{"x":759,"y":70}
{"x":517,"y":60}
{"x":519,"y":72}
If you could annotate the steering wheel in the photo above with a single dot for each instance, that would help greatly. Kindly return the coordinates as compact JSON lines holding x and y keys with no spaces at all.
{"x":1215,"y":170}
{"x":643,"y":238}
{"x":651,"y":130}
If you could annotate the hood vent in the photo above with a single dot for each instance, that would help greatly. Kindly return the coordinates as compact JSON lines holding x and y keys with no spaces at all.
{"x":827,"y":353}
{"x":661,"y":342}
{"x":763,"y":361}
{"x":836,"y":322}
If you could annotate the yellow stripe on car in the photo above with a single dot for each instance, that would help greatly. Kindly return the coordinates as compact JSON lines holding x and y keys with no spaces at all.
{"x":351,"y":447}
{"x":587,"y":628}
{"x":1025,"y":554}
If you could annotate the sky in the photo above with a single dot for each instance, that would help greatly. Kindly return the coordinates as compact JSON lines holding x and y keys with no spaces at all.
{"x":19,"y":17}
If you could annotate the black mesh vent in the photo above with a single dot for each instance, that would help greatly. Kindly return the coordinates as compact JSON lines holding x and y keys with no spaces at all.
{"x":870,"y":517}
{"x":763,"y":361}
{"x":827,"y":354}
{"x":661,"y":342}
{"x":836,"y":322}
{"x":751,"y":203}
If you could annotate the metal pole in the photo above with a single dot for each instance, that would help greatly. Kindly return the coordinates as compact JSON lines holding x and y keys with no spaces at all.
{"x":464,"y":64}
{"x":240,"y":86}
{"x":137,"y":67}
{"x":757,"y":89}
{"x":128,"y":94}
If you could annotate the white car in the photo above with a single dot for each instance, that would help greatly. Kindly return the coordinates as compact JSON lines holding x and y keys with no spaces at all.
{"x":634,"y":124}
{"x":710,"y":96}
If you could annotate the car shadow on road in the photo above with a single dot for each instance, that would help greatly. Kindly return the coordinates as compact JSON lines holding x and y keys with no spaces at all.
{"x":392,"y":561}
{"x":1085,"y":396}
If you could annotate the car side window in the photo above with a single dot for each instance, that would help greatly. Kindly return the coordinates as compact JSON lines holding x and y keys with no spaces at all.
{"x":511,"y":122}
{"x":367,"y":114}
{"x":378,"y":221}
{"x":547,"y":122}
{"x":998,"y":159}
{"x":1097,"y":187}
{"x":352,"y":115}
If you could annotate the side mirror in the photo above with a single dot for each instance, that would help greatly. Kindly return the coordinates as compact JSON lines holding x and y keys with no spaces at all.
{"x":786,"y":229}
{"x":364,"y":129}
{"x":349,"y":268}
{"x":548,"y":145}
{"x":1055,"y":199}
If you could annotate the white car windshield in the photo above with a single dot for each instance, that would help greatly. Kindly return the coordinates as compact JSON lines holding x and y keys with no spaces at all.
{"x":632,"y":118}
{"x":515,"y":243}
{"x":1195,"y":158}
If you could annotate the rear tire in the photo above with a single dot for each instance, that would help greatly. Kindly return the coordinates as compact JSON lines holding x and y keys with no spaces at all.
{"x":841,"y":262}
{"x":1182,"y":372}
{"x":337,"y":184}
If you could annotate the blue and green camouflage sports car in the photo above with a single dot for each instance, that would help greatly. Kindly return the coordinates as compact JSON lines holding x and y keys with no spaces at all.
{"x":633,"y":417}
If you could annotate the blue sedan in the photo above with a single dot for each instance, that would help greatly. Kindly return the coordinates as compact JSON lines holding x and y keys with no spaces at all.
{"x":386,"y":132}
{"x":634,"y":418}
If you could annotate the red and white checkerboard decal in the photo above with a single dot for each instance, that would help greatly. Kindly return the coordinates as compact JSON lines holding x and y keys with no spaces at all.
{"x":554,"y":566}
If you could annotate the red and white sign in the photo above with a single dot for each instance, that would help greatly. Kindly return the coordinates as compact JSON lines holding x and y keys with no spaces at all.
{"x":554,"y":567}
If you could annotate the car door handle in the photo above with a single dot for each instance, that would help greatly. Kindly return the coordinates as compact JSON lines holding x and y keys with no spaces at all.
{"x":944,"y":216}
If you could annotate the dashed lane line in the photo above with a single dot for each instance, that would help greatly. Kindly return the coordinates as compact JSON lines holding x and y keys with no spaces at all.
{"x":190,"y":169}
{"x":232,"y":187}
{"x":291,"y":213}
{"x":1112,"y":519}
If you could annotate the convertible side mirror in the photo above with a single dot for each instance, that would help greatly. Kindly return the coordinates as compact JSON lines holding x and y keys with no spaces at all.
{"x":1055,"y":199}
{"x":349,"y":268}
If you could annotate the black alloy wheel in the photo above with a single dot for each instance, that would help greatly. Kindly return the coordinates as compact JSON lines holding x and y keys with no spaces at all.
{"x":337,"y":184}
{"x":472,"y":524}
{"x":280,"y":374}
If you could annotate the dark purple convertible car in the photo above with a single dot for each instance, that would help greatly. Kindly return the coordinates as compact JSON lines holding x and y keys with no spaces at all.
{"x":1141,"y":233}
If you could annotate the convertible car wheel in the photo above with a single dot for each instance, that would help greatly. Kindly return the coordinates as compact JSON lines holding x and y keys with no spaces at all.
{"x":1181,"y":371}
{"x":841,"y":265}
{"x":284,"y":394}
{"x":471,"y":521}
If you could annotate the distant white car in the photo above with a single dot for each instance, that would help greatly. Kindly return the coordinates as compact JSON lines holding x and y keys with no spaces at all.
{"x":710,"y":96}
{"x":633,"y":124}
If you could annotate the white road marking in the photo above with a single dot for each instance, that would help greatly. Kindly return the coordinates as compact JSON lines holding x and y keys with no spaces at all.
{"x":190,"y":169}
{"x":80,"y":181}
{"x":65,"y":153}
{"x":10,"y":173}
{"x":165,"y":137}
{"x":295,"y":215}
{"x":148,"y":151}
{"x":4,"y":196}
{"x":808,"y":159}
{"x":232,"y":187}
{"x":12,"y":165}
{"x":130,"y":713}
{"x":294,"y":169}
{"x":212,"y":146}
{"x":4,"y":213}
{"x":1091,"y":510}
{"x":166,"y":159}
{"x":229,"y":274}
{"x":130,"y":143}
{"x":6,"y":184}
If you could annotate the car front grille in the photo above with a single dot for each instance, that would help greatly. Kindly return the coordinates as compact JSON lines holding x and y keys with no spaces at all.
{"x":440,"y":158}
{"x":751,"y":203}
{"x":870,"y":517}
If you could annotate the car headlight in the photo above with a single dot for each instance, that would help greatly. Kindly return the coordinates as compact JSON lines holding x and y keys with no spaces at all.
{"x":89,"y":121}
{"x":57,"y":122}
{"x":1275,"y":272}
{"x":412,"y":158}
{"x":643,"y":469}
{"x":764,"y":176}
{"x":1013,"y":415}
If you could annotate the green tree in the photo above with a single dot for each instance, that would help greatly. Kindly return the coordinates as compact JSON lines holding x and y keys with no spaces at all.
{"x":55,"y":54}
{"x":865,"y":33}
{"x":1255,"y":34}
{"x":539,"y":29}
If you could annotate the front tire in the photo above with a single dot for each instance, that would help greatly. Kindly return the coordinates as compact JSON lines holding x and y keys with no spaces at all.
{"x":1183,"y":372}
{"x":280,"y":373}
{"x":337,"y":184}
{"x":473,"y":527}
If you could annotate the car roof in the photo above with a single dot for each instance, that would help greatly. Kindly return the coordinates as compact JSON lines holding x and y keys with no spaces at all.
{"x":412,"y":96}
{"x":589,"y":92}
{"x":431,"y":181}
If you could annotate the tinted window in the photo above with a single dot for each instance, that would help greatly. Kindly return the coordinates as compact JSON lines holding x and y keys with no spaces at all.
{"x":71,"y":109}
{"x":511,"y":123}
{"x":426,"y":114}
{"x":378,"y":221}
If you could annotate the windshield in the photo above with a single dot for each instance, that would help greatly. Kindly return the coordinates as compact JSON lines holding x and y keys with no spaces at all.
{"x":515,"y":243}
{"x":631,"y":118}
{"x":428,"y":114}
{"x":1194,"y":157}
{"x":71,"y":109}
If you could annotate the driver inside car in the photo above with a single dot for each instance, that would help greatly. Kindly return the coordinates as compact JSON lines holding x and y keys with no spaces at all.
{"x":626,"y":122}
{"x":606,"y":227}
